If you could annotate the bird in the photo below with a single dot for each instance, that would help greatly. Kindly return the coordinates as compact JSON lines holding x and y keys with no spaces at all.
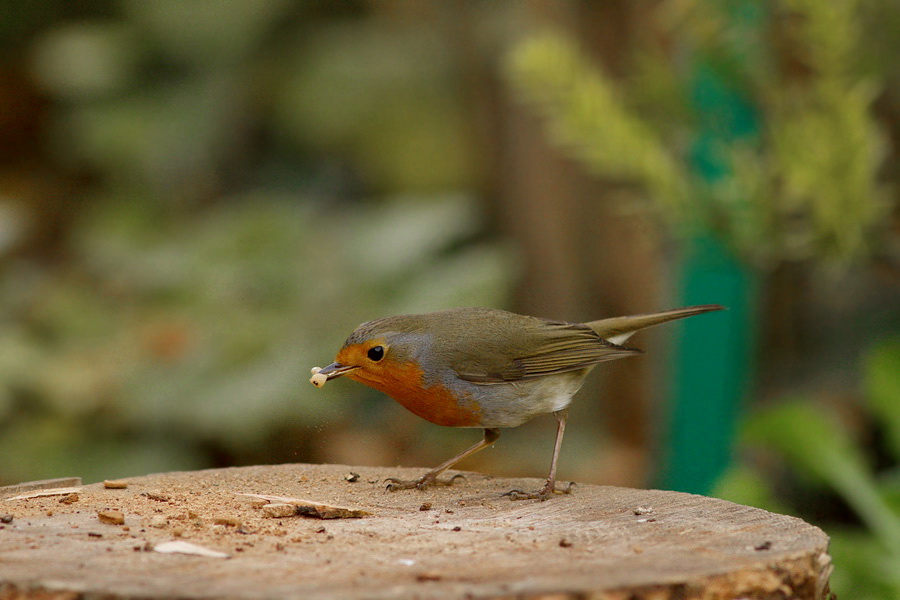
{"x":485,"y":368}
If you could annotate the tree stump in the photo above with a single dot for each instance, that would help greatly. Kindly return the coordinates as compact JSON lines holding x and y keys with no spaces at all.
{"x":446,"y":542}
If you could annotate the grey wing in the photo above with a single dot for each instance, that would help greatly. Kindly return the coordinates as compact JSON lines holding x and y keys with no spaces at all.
{"x":568,"y":347}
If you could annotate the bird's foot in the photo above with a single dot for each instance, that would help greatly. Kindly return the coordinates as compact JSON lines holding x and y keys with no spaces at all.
{"x":542,"y":494}
{"x":421,"y":483}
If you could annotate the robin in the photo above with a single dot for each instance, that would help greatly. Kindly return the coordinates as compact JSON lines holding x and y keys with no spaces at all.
{"x":486,"y":368}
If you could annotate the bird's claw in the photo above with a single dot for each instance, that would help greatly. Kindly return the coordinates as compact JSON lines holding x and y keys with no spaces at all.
{"x":542,"y":494}
{"x":421,"y":483}
{"x":395,"y":484}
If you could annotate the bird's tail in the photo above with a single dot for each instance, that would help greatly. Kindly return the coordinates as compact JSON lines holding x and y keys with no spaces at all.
{"x":619,"y":329}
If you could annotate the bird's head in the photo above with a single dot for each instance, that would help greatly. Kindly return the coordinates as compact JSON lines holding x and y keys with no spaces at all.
{"x":380,"y":354}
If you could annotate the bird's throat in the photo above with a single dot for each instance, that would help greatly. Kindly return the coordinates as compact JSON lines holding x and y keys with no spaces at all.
{"x":405,"y":383}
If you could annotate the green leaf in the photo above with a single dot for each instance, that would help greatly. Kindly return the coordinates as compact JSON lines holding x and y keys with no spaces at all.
{"x":863,"y":571}
{"x":813,"y":444}
{"x":743,"y":485}
{"x":881,"y":368}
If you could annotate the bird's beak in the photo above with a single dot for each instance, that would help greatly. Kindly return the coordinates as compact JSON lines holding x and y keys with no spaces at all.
{"x":335,"y":370}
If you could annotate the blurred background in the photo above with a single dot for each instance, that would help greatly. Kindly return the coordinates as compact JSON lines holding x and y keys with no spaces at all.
{"x":200,"y":200}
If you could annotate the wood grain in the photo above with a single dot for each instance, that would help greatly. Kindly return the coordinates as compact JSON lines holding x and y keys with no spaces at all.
{"x":462,"y":541}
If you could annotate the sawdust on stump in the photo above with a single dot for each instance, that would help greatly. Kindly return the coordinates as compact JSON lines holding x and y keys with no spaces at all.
{"x":244,"y":533}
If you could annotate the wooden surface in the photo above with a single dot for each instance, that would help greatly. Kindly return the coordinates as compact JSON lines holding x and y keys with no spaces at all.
{"x":462,"y":541}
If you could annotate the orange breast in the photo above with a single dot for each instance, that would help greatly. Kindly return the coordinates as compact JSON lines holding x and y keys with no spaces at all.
{"x":404,"y":383}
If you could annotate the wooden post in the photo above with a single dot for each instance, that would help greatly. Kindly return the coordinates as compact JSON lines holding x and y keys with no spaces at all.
{"x":447,"y":542}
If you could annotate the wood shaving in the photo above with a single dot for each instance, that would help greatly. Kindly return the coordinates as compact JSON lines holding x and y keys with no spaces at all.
{"x":42,"y":493}
{"x":181,"y":547}
{"x":308,"y":508}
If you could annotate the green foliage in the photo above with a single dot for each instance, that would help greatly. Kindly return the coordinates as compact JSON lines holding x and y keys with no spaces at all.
{"x":881,"y":368}
{"x":742,"y":484}
{"x":203,"y":330}
{"x":407,"y":133}
{"x":826,"y":146}
{"x":191,"y":293}
{"x":807,"y":187}
{"x":862,"y":568}
{"x":815,"y":447}
{"x":588,"y":117}
{"x":168,"y":92}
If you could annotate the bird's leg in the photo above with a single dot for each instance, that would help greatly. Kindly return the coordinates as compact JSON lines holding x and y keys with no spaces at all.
{"x":431,"y":477}
{"x":550,"y":486}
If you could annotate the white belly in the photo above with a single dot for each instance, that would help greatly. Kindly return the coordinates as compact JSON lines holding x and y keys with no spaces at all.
{"x":511,"y":404}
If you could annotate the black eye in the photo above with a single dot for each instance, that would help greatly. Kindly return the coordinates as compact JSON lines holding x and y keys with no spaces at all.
{"x":375,"y":353}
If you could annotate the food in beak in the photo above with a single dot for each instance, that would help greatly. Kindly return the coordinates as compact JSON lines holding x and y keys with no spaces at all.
{"x":321,"y":375}
{"x":318,"y":379}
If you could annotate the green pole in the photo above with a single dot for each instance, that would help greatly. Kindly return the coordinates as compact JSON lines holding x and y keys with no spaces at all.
{"x":712,"y":361}
{"x":714,"y":354}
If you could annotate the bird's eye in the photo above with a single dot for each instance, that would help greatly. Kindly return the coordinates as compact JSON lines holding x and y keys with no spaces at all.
{"x":375,"y":353}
